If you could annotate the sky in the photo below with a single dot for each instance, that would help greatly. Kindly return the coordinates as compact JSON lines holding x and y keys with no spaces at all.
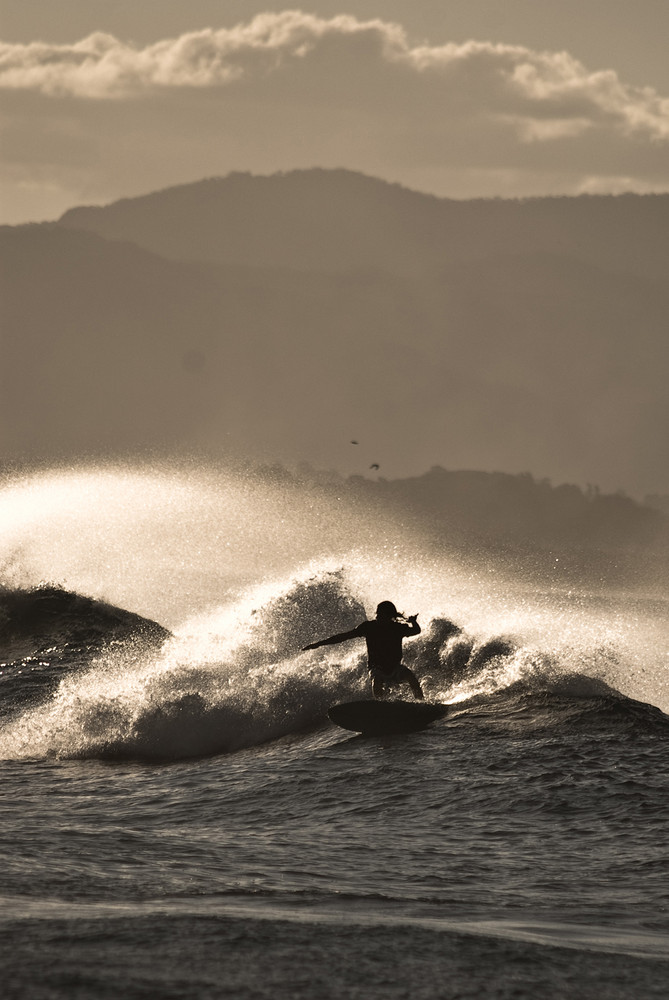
{"x":101,"y":99}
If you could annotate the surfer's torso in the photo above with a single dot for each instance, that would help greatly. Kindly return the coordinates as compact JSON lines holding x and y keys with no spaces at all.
{"x":384,"y":642}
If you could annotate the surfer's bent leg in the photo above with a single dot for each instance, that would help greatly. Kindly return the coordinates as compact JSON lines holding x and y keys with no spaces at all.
{"x":382,"y":681}
{"x":406,"y":676}
{"x":378,"y":683}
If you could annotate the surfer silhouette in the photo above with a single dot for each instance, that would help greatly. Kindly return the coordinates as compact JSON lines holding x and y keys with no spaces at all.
{"x":384,"y":635}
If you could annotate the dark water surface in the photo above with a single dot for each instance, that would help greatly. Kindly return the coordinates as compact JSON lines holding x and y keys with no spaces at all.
{"x":479,"y":855}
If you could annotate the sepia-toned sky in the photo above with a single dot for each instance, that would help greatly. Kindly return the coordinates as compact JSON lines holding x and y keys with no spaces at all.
{"x":103,"y":99}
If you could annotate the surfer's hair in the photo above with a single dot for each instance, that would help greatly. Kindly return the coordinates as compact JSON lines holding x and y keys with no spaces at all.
{"x":386,"y":609}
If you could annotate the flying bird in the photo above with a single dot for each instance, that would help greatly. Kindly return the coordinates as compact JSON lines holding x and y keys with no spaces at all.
{"x":354,"y":442}
{"x":375,"y":465}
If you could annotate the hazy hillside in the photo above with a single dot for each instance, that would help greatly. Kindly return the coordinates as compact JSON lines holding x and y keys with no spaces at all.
{"x":107,"y":347}
{"x":94,"y":335}
{"x":337,"y":219}
{"x":532,"y":362}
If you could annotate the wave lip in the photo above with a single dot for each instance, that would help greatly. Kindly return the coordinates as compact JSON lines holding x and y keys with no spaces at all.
{"x":47,"y":633}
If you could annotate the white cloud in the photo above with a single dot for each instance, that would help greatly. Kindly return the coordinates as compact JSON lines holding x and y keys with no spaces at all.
{"x":293,"y":47}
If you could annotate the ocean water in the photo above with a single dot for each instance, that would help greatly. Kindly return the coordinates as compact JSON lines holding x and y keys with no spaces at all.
{"x":178,"y":818}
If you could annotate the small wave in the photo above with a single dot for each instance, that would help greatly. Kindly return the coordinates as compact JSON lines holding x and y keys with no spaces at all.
{"x":583,"y":704}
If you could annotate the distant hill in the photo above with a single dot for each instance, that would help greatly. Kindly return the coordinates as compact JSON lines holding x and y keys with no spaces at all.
{"x":340,"y":220}
{"x":555,"y":533}
{"x":280,"y":318}
{"x":523,"y":510}
{"x":107,"y":348}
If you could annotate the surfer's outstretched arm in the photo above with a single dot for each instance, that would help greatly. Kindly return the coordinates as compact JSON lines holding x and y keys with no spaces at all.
{"x":333,"y":639}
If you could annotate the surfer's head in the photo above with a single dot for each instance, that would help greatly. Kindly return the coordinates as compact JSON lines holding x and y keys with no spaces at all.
{"x":386,"y":609}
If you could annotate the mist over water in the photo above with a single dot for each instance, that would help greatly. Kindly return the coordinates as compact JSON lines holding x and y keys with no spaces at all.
{"x":161,"y":541}
{"x":245,"y":572}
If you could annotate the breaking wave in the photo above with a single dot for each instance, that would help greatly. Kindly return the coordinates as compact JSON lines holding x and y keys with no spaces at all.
{"x":237,"y":677}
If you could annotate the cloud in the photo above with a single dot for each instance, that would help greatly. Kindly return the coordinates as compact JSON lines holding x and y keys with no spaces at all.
{"x":342,"y":52}
{"x":294,"y":89}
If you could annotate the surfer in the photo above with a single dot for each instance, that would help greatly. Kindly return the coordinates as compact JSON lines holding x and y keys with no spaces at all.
{"x":384,"y":636}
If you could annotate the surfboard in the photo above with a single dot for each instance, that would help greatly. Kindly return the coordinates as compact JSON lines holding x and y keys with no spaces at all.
{"x":385,"y":718}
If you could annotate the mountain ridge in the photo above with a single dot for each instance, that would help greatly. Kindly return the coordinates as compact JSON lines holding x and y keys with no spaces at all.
{"x":339,"y":219}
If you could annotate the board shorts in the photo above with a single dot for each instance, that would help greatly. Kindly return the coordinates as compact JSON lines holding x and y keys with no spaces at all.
{"x":396,"y":675}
